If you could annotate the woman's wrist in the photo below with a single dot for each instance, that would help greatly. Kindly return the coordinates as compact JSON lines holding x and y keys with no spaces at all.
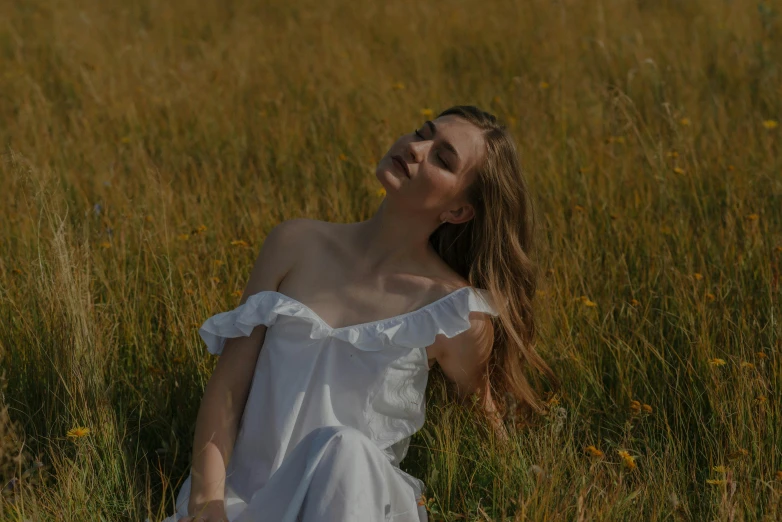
{"x":209,"y":511}
{"x":207,"y":481}
{"x":198,"y":506}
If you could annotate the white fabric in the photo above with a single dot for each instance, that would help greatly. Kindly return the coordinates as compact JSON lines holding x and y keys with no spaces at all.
{"x":331,"y":411}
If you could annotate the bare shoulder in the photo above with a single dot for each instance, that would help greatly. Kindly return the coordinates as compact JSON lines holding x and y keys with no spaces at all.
{"x":297,"y":233}
{"x":470,"y":346}
{"x":283,"y":246}
{"x":463,"y":358}
{"x":311,"y":230}
{"x":299,"y":225}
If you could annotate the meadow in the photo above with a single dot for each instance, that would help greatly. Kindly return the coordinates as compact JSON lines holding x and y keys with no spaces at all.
{"x":149,"y":147}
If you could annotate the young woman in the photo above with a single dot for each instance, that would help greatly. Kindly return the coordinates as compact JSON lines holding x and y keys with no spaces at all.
{"x":323,"y":365}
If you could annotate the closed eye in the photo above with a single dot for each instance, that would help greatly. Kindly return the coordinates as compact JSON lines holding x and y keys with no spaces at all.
{"x":438,"y":156}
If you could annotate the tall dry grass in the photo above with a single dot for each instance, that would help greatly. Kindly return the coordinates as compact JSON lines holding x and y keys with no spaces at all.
{"x":140,"y":139}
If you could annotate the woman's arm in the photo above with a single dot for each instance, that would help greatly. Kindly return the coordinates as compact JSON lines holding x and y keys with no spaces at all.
{"x":218,"y":418}
{"x":463,"y":359}
{"x":226,"y":392}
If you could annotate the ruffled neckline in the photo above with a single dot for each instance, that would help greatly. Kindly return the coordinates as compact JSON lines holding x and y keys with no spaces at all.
{"x":448,"y":315}
{"x":370,"y":323}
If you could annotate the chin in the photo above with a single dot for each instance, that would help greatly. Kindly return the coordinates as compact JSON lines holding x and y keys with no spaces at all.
{"x":386,"y":176}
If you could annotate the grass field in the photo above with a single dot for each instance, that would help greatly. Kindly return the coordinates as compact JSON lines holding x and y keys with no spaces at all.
{"x":149,"y":147}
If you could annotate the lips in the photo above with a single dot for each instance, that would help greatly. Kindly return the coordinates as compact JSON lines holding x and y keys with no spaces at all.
{"x":401,"y":163}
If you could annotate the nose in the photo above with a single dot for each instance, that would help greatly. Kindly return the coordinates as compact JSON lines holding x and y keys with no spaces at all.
{"x":418,"y":150}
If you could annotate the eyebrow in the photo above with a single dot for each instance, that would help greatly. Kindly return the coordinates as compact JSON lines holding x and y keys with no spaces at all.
{"x":446,"y":144}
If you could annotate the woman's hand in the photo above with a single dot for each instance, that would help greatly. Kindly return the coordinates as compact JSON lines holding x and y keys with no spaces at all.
{"x":498,"y":426}
{"x":211,"y":512}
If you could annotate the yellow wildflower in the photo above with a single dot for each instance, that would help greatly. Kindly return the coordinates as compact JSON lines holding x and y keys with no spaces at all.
{"x":427,"y":113}
{"x":552,"y":399}
{"x":710,"y":297}
{"x":635,"y":302}
{"x":216,"y":280}
{"x":678,"y":170}
{"x":189,"y":291}
{"x":342,"y":157}
{"x":745,"y":364}
{"x":200,"y":229}
{"x":629,"y":461}
{"x":697,"y":276}
{"x":381,"y":192}
{"x":647,"y":408}
{"x":717,"y":362}
{"x":105,"y":244}
{"x":684,"y":121}
{"x":148,"y":218}
{"x":78,"y":432}
{"x":635,"y":407}
{"x":578,"y":208}
{"x":593,"y":451}
{"x":719,"y":469}
{"x":672,"y":154}
{"x":236,"y":293}
{"x":752,"y":217}
{"x":218,"y":262}
{"x":183,"y":237}
{"x":239,"y":243}
{"x":761,"y":399}
{"x":770,"y":124}
{"x":761,"y":355}
{"x":778,"y":475}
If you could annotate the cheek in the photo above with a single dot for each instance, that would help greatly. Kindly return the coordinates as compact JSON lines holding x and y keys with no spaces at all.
{"x":437,"y":185}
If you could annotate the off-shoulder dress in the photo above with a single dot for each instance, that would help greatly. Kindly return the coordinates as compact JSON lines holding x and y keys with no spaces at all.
{"x":330,"y":411}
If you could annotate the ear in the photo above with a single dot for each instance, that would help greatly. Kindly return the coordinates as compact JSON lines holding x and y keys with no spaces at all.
{"x":462,"y":215}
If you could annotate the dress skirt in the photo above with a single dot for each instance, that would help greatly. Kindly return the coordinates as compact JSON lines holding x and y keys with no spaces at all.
{"x":334,"y":474}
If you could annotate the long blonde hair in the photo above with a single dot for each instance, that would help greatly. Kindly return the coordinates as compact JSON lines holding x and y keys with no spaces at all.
{"x":491,"y":251}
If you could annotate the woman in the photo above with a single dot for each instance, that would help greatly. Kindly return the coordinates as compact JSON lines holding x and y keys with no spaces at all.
{"x":313,"y":427}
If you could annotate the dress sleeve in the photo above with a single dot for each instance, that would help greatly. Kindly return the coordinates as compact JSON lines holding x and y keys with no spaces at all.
{"x":260,"y":308}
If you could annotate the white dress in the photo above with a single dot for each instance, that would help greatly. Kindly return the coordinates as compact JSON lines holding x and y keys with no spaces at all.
{"x":331,"y":411}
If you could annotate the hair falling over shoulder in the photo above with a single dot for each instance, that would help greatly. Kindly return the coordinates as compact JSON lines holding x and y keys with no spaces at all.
{"x":492,"y":252}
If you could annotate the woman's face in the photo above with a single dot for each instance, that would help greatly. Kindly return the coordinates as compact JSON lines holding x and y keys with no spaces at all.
{"x":440,"y":157}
